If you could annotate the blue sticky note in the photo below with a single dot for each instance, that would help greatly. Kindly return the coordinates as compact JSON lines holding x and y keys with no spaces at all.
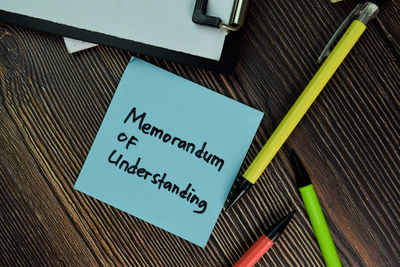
{"x":168,"y":151}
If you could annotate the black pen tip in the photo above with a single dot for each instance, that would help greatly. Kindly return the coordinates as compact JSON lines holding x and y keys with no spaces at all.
{"x":275,"y":231}
{"x":301,"y":175}
{"x":241,"y":188}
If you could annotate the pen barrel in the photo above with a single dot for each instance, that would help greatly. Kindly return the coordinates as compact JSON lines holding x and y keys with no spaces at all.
{"x":320,"y":226}
{"x":256,"y":251}
{"x":304,"y":101}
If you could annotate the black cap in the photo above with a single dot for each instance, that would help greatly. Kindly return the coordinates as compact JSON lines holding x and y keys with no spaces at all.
{"x":275,"y":231}
{"x":301,"y":175}
{"x":241,"y":188}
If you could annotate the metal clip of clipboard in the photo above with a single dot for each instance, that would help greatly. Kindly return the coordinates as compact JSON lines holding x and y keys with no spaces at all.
{"x":236,"y":21}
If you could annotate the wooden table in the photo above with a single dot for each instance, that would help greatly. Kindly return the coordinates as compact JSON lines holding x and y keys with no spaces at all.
{"x":52,"y":104}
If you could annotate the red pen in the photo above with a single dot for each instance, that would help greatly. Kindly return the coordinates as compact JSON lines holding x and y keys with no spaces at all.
{"x":264,"y":243}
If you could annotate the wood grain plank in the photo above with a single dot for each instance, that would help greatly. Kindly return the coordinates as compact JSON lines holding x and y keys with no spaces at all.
{"x":52,"y":105}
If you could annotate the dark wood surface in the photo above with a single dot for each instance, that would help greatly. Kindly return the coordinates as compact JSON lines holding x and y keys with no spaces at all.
{"x":52,"y":103}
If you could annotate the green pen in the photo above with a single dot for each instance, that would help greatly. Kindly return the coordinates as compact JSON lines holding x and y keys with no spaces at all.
{"x":315,"y":214}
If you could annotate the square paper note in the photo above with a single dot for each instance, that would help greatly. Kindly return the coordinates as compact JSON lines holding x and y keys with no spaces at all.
{"x":168,"y":151}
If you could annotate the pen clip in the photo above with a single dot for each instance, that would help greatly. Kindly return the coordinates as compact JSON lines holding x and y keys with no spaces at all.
{"x":327,"y":50}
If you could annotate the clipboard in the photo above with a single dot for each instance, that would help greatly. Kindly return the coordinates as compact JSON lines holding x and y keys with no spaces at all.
{"x":225,"y":64}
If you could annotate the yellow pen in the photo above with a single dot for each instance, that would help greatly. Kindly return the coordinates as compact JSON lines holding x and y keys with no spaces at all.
{"x":365,"y":13}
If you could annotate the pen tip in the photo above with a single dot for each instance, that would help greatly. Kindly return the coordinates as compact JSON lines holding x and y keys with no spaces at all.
{"x":301,"y":175}
{"x":241,"y":188}
{"x":277,"y":229}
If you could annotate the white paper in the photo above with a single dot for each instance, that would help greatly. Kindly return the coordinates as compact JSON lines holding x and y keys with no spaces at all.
{"x":161,"y":23}
{"x":76,"y":45}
